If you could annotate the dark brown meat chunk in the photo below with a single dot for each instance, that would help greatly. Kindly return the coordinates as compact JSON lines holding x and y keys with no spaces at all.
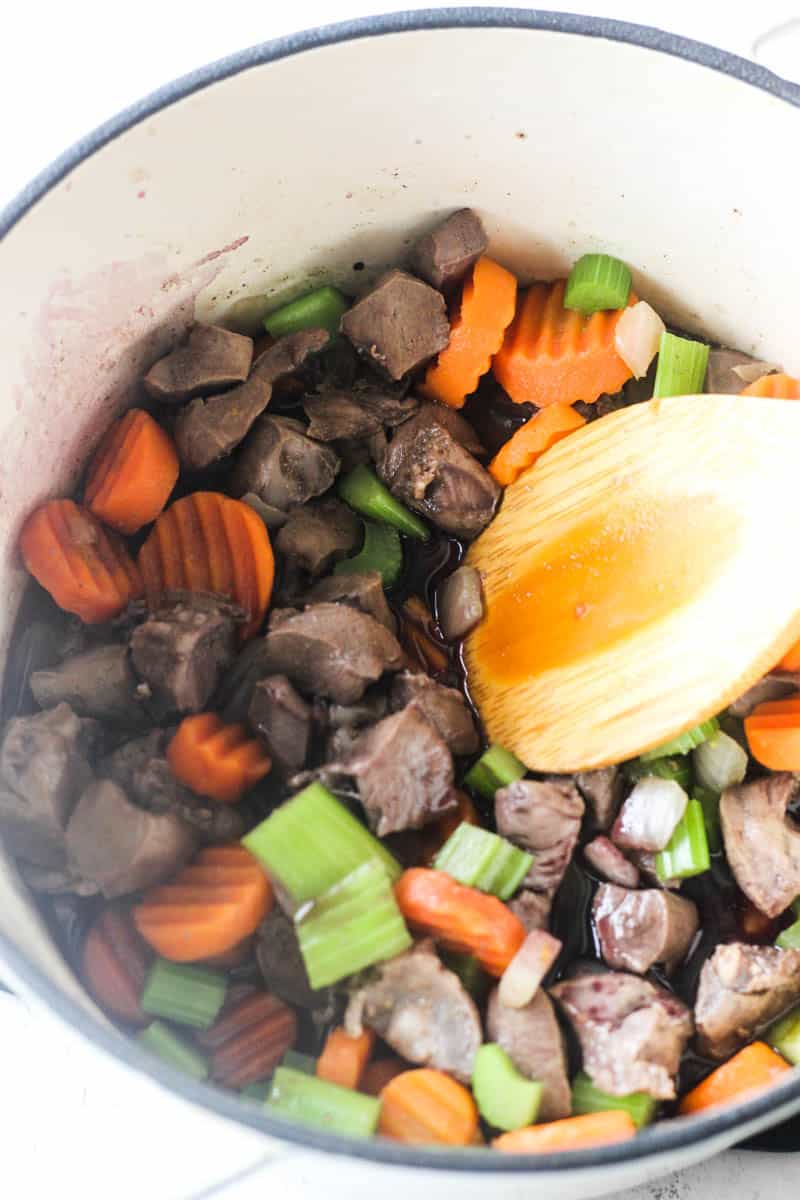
{"x":632,"y":1033}
{"x":532,"y":908}
{"x":459,"y":603}
{"x":97,"y":683}
{"x":358,"y":413}
{"x":730,"y":371}
{"x":452,"y":422}
{"x":281,"y":717}
{"x":210,"y":359}
{"x":363,"y":591}
{"x":763,"y":844}
{"x":776,"y":686}
{"x":399,"y":324}
{"x":282,"y":466}
{"x":445,"y":255}
{"x":544,"y":818}
{"x":372,"y":706}
{"x":427,"y":469}
{"x":602,"y":790}
{"x":636,"y":930}
{"x":319,"y":534}
{"x":742,"y":989}
{"x":281,"y":963}
{"x":422,"y":1011}
{"x":608,"y":861}
{"x":445,"y":708}
{"x":532,"y":1039}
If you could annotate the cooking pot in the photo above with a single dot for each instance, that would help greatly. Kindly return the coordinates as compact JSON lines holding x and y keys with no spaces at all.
{"x":320,"y":157}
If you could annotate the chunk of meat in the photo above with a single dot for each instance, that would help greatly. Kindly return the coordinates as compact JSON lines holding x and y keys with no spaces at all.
{"x":632,"y":1033}
{"x":532,"y":908}
{"x":281,"y":963}
{"x":445,"y":708}
{"x":602,"y":790}
{"x":454,"y":423}
{"x":319,"y":534}
{"x":608,"y":861}
{"x":460,"y":603}
{"x":532,"y":1039}
{"x":399,"y":324}
{"x":636,"y":930}
{"x":776,"y":686}
{"x":372,"y":706}
{"x":358,"y":413}
{"x":445,"y":255}
{"x":282,"y":466}
{"x":422,"y":1011}
{"x":729,"y":371}
{"x":544,"y":818}
{"x":762,"y":843}
{"x":363,"y":591}
{"x":119,"y":846}
{"x":742,"y":989}
{"x":182,"y":650}
{"x":432,"y":473}
{"x":281,"y":717}
{"x":210,"y":359}
{"x":97,"y":683}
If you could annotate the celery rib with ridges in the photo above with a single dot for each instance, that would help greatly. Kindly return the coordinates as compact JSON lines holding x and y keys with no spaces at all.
{"x":381,"y":551}
{"x":188,"y":995}
{"x":682,"y":365}
{"x":325,"y":1105}
{"x":684,"y":742}
{"x":505,"y":1098}
{"x":496,"y":768}
{"x":483,"y":860}
{"x":320,"y":309}
{"x":160,"y":1040}
{"x":587,"y":1098}
{"x":597,"y":283}
{"x":687,"y":853}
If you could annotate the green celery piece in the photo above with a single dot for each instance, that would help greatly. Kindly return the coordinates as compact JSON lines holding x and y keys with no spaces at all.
{"x":684,"y":742}
{"x":472,"y":975}
{"x":312,"y":841}
{"x":161,"y":1041}
{"x":365,"y":493}
{"x":381,"y":551}
{"x":795,"y":906}
{"x":483,"y":860}
{"x":324,"y":1105}
{"x":494,"y":769}
{"x":299,"y":1062}
{"x":784,"y":1036}
{"x":681,"y":369}
{"x":505,"y":1098}
{"x":687,"y":853}
{"x":596,"y":283}
{"x":188,"y":995}
{"x":709,"y":802}
{"x":676,"y":767}
{"x":789,"y":939}
{"x":586,"y":1098}
{"x":321,"y":309}
{"x":258,"y":1091}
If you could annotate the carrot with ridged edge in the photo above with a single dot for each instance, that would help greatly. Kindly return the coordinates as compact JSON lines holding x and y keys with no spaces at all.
{"x":377,"y":1074}
{"x":751,"y":1070}
{"x":207,"y":542}
{"x":216,"y":760}
{"x":488,"y":301}
{"x":554,"y":355}
{"x":778,"y":387}
{"x":344,"y":1058}
{"x":249,"y":1039}
{"x":133,"y":471}
{"x":532,"y":439}
{"x":114,"y":965}
{"x":773,"y":734}
{"x":461,"y":918}
{"x":572,"y":1133}
{"x":198,"y":916}
{"x":85,"y":567}
{"x":426,"y":1107}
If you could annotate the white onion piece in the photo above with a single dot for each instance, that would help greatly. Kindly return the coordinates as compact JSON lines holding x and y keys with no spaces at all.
{"x":648,"y":817}
{"x":637,"y":336}
{"x":524,"y":974}
{"x":720,"y":762}
{"x":751,"y":371}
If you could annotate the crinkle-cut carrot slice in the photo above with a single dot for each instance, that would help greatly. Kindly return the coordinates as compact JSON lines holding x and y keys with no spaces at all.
{"x":132,"y":473}
{"x":216,"y":760}
{"x":428,"y":1107}
{"x":532,"y":439}
{"x":755,"y":1067}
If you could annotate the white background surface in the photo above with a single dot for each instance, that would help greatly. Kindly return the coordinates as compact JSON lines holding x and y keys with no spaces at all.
{"x":72,"y":1124}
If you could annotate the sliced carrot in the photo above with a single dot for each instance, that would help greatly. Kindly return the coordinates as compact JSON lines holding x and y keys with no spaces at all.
{"x":573,"y":1133}
{"x":434,"y":836}
{"x":115,"y":963}
{"x":344,"y":1058}
{"x":208,"y":542}
{"x":216,"y":760}
{"x":189,"y":921}
{"x":751,"y":1070}
{"x":462,"y":918}
{"x":85,"y":568}
{"x":773,"y":734}
{"x":487,"y":308}
{"x":427,"y":1106}
{"x":378,"y":1074}
{"x":132,"y":473}
{"x":553,"y":355}
{"x":529,"y":443}
{"x":779,"y":387}
{"x":249,"y":1039}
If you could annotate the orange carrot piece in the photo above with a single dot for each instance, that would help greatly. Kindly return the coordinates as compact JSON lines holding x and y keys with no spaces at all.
{"x":249,"y":1039}
{"x":529,"y":443}
{"x":115,"y":962}
{"x":132,"y":473}
{"x":488,"y":301}
{"x":773,"y":734}
{"x":434,"y":836}
{"x":85,"y":568}
{"x":344,"y":1058}
{"x":427,"y":1106}
{"x":217,"y":760}
{"x":462,"y":918}
{"x":572,"y":1133}
{"x":754,"y":1068}
{"x":378,"y":1074}
{"x":553,"y":355}
{"x":208,"y":542}
{"x":189,"y":921}
{"x":779,"y":387}
{"x":791,"y":659}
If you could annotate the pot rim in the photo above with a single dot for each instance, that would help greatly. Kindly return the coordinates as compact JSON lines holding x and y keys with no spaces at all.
{"x":663,"y":1138}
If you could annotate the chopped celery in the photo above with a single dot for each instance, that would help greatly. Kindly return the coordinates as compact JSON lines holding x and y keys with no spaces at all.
{"x":364,"y":492}
{"x":380,"y":551}
{"x":257,"y":1091}
{"x":312,"y":841}
{"x":160,"y":1039}
{"x":681,"y":369}
{"x":684,"y":742}
{"x":325,"y":1105}
{"x":320,"y":309}
{"x":472,"y":975}
{"x":186,"y":994}
{"x":687,"y":852}
{"x":784,"y":1036}
{"x":586,"y":1098}
{"x":676,"y":767}
{"x":299,"y":1062}
{"x":483,"y":860}
{"x":789,"y":939}
{"x":494,"y":769}
{"x":719,"y":762}
{"x":709,"y":802}
{"x":597,"y":282}
{"x":505,"y":1098}
{"x":795,"y":906}
{"x":355,"y":924}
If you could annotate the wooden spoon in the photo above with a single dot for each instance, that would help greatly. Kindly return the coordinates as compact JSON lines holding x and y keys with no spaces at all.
{"x":638,"y":579}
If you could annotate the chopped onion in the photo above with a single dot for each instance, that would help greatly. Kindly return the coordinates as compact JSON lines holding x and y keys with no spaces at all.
{"x":637,"y":336}
{"x":524,"y":974}
{"x":720,"y":762}
{"x":650,"y":814}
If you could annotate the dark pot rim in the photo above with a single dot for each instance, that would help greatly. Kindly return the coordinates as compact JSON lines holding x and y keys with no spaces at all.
{"x":663,"y":1139}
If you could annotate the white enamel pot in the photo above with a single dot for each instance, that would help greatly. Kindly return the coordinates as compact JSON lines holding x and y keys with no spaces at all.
{"x":288,"y":164}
